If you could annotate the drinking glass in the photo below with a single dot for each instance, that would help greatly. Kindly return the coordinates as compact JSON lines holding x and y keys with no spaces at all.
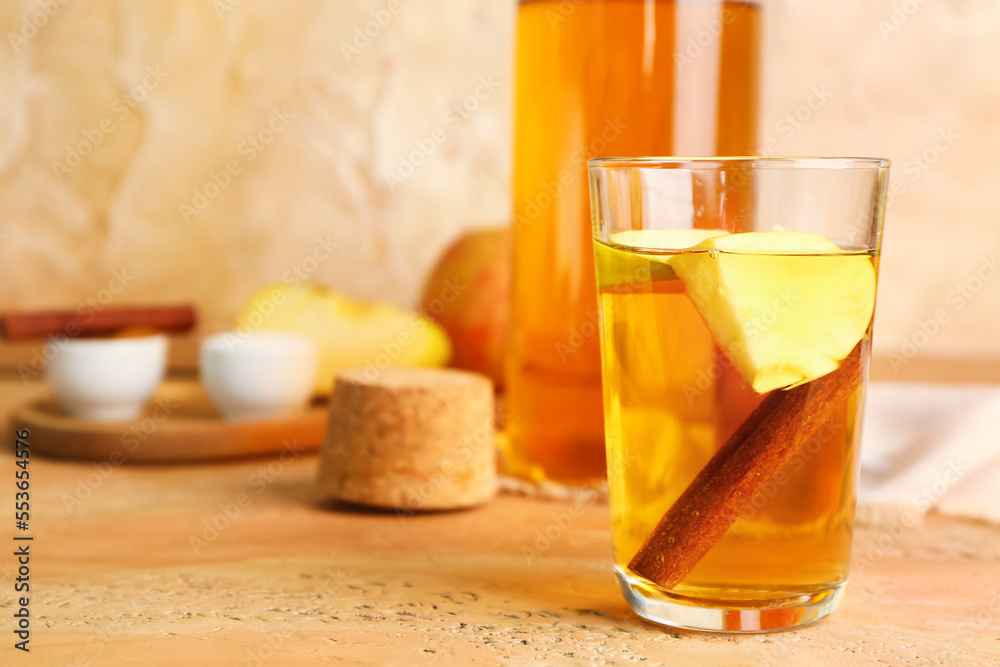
{"x":736,"y":299}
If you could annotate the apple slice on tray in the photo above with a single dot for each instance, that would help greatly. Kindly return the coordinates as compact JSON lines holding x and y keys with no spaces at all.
{"x":350,"y":333}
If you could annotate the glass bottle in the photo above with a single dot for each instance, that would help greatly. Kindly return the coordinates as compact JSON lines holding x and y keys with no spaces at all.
{"x":598,"y":78}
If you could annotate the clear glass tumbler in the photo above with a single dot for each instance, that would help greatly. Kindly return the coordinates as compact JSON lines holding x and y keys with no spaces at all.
{"x":736,"y":299}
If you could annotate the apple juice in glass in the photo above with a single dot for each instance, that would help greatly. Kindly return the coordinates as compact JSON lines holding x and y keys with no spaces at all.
{"x":736,"y":299}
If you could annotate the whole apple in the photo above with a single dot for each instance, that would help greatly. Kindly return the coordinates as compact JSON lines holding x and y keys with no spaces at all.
{"x":467,"y":293}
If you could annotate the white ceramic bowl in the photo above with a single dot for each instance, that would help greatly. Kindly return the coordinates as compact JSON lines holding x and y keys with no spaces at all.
{"x":266,"y":374}
{"x":107,"y":379}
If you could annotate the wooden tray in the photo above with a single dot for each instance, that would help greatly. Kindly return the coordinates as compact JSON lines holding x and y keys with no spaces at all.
{"x":180,"y":424}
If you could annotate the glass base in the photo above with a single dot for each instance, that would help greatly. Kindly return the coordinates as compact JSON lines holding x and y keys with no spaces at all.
{"x":686,"y":613}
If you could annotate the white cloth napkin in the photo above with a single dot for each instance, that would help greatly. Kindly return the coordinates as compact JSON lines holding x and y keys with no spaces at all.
{"x":930,"y":446}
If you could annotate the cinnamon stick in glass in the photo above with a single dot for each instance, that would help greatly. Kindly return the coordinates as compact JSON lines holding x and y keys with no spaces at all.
{"x":758,"y":449}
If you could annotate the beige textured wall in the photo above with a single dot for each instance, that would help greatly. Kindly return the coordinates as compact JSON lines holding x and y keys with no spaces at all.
{"x":357,"y":105}
{"x":895,"y":78}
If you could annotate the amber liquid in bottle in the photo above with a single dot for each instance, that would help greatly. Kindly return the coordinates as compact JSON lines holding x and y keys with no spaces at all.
{"x":595,"y":79}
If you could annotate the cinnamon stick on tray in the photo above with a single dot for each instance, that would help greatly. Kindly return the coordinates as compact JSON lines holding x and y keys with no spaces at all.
{"x":107,"y":322}
{"x":758,"y":449}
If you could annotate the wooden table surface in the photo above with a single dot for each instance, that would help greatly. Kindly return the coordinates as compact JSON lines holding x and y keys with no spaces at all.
{"x":240,"y":563}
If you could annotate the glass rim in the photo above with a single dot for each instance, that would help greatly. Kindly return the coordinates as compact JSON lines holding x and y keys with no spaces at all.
{"x":715,"y":163}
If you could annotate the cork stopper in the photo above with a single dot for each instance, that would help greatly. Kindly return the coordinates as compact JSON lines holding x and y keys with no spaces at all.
{"x":411,"y":439}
